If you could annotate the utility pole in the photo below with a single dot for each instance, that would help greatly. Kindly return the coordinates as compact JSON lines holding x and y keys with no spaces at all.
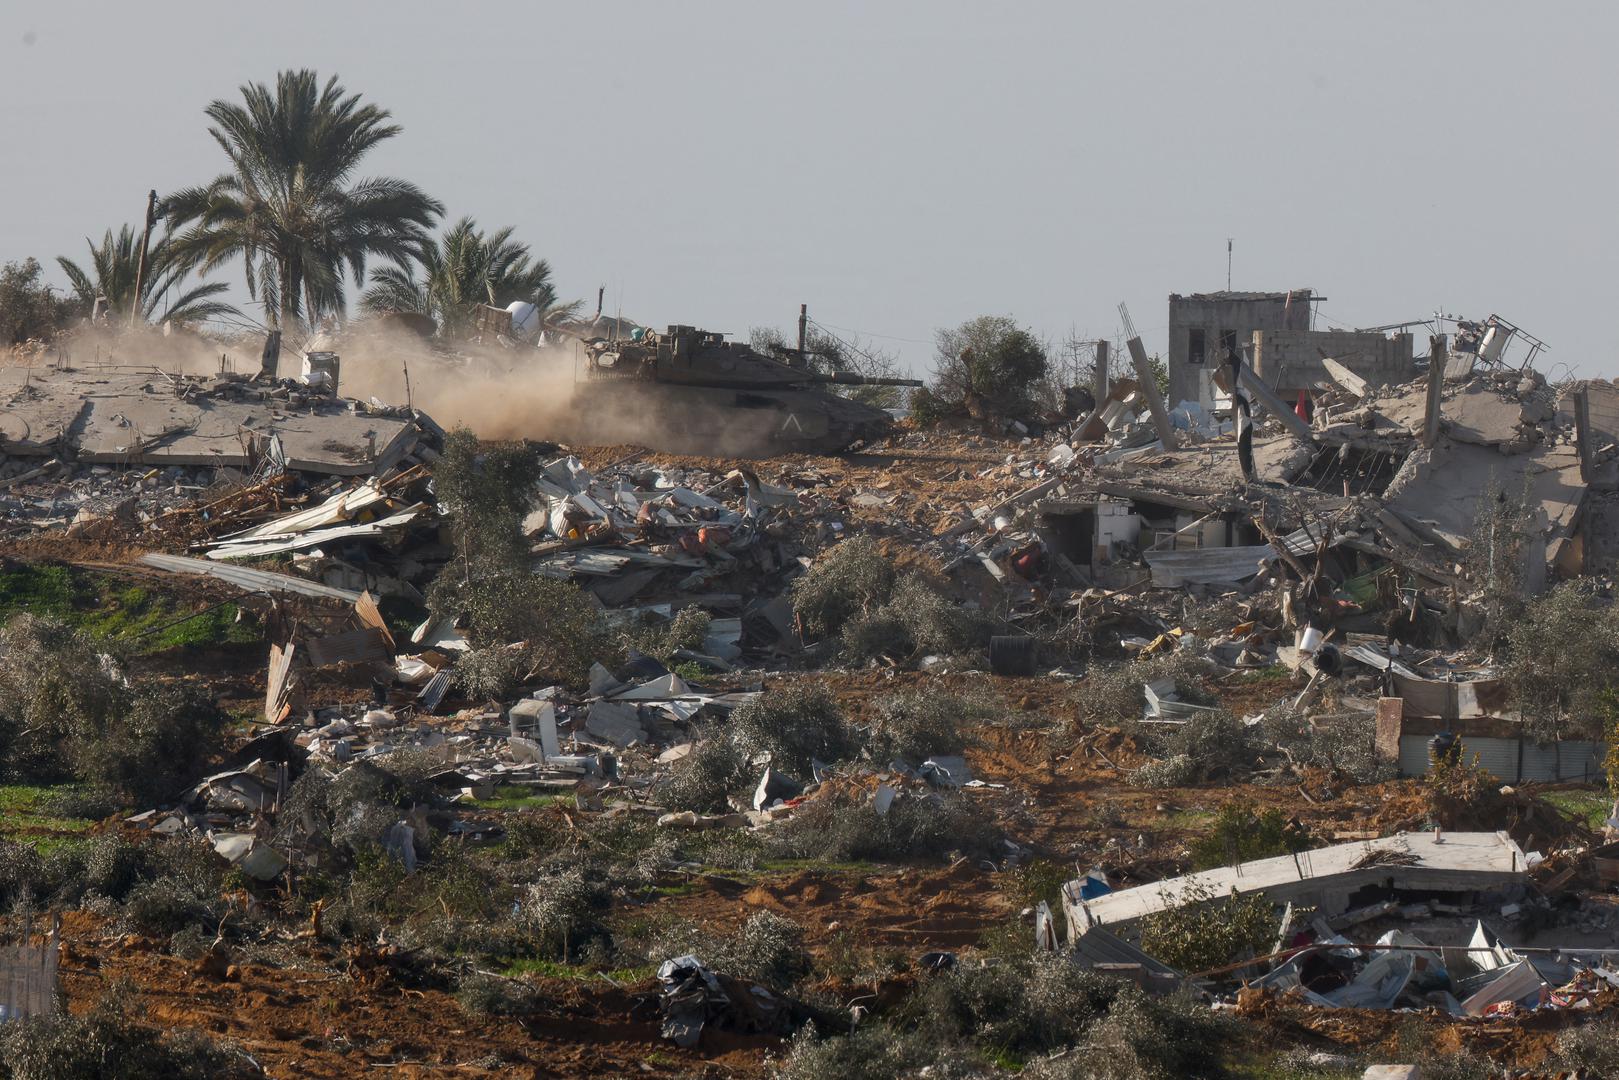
{"x":140,"y":267}
{"x":803,"y":324}
{"x":1228,"y":264}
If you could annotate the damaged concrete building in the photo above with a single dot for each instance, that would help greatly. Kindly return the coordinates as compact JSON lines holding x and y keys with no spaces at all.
{"x":1205,"y":327}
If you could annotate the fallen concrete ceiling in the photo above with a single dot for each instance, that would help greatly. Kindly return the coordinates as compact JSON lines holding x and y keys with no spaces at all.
{"x":150,"y":418}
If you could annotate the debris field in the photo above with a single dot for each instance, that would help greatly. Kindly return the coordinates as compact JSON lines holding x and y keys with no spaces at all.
{"x":1274,"y":721}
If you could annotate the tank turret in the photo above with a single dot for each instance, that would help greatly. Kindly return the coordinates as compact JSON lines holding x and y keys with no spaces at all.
{"x":776,"y":404}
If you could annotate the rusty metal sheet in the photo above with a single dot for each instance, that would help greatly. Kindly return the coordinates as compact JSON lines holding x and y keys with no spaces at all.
{"x":362,"y":646}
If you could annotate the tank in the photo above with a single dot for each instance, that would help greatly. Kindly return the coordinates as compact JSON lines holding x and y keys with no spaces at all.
{"x":690,"y":390}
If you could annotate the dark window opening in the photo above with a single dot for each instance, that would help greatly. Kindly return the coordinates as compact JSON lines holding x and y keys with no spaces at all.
{"x":1348,"y":470}
{"x":1228,"y":345}
{"x":1072,"y":535}
{"x":1195,"y":348}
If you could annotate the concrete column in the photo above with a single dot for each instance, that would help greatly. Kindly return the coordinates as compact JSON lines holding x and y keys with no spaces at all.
{"x":1582,"y":434}
{"x":1436,"y":386}
{"x":1149,"y":387}
{"x":1273,"y":404}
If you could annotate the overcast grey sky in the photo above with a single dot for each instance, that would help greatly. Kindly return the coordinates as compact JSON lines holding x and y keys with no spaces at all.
{"x":905,"y":166}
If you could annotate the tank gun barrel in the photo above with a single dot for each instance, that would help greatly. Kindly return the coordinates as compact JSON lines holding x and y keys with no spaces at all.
{"x":849,"y":378}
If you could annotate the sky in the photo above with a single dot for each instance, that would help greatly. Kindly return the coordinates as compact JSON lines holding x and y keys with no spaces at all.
{"x":902,"y":167}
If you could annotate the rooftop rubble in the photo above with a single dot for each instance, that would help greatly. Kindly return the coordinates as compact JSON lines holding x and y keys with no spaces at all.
{"x":1337,"y":553}
{"x":113,"y":452}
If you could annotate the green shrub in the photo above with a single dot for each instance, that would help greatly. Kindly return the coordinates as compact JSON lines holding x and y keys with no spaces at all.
{"x":485,"y":490}
{"x":492,"y":995}
{"x":561,"y":913}
{"x":916,"y":620}
{"x":109,"y":1041}
{"x":1201,"y":931}
{"x":851,"y":578}
{"x":662,"y":638}
{"x":1241,"y":834}
{"x":914,"y":725}
{"x":561,"y":625}
{"x":1591,"y":1047}
{"x":157,"y":747}
{"x":767,"y":948}
{"x":1206,"y":746}
{"x":58,"y":698}
{"x":873,"y":1052}
{"x":705,"y":777}
{"x":493,"y":673}
{"x":796,"y":725}
{"x":180,"y":886}
{"x":929,"y":828}
{"x":1114,"y":695}
{"x":1562,"y":652}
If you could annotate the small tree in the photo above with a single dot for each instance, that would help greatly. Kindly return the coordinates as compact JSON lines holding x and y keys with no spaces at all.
{"x":486,"y":492}
{"x":988,"y":365}
{"x":28,"y":308}
{"x":1562,"y":652}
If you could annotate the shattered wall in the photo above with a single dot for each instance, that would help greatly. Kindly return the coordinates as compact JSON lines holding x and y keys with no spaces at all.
{"x":1290,"y":360}
{"x":1200,"y":325}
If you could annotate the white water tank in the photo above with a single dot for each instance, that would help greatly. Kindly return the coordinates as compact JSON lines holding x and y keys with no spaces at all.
{"x":1494,"y":343}
{"x":525,"y":318}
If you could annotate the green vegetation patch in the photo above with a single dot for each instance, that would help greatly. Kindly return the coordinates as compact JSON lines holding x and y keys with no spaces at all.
{"x":1589,"y":806}
{"x":110,"y":608}
{"x":28,"y":815}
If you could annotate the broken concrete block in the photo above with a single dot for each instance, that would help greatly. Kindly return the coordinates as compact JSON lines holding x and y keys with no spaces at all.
{"x":674,"y":754}
{"x":946,"y":771}
{"x":773,"y":786}
{"x":615,"y":723}
{"x":263,"y":863}
{"x":602,"y":681}
{"x":525,"y":750}
{"x":883,"y":798}
{"x":680,"y":819}
{"x":232,"y":847}
{"x":1391,"y":1072}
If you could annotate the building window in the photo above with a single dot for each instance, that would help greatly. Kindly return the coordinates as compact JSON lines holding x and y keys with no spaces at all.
{"x":1195,"y":348}
{"x":1228,"y":346}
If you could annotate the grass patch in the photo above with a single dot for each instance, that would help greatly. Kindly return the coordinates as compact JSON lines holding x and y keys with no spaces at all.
{"x":554,"y":969}
{"x":1190,"y":819}
{"x":1589,"y":806}
{"x":111,"y":608}
{"x":26,"y":817}
{"x":517,"y":797}
{"x":1274,"y":675}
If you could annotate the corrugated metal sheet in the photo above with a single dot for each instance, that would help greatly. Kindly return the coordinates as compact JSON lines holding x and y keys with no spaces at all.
{"x":1498,"y":757}
{"x":247,"y":578}
{"x":314,"y":538}
{"x":1172,"y":569}
{"x":1551,"y":762}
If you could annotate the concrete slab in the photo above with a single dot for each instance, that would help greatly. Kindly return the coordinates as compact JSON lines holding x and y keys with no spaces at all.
{"x":1444,"y":487}
{"x":138,"y":417}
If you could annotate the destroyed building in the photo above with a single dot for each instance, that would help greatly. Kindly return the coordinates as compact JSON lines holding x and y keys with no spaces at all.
{"x":1205,"y":327}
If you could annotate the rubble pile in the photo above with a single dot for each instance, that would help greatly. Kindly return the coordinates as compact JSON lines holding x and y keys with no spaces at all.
{"x":1251,"y":595}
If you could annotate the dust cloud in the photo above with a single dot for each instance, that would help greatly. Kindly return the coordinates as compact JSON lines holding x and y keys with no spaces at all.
{"x":528,"y":393}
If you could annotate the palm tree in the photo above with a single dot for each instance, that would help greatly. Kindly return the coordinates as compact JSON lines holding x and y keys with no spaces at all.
{"x":287,"y":205}
{"x":112,"y":274}
{"x":464,"y":268}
